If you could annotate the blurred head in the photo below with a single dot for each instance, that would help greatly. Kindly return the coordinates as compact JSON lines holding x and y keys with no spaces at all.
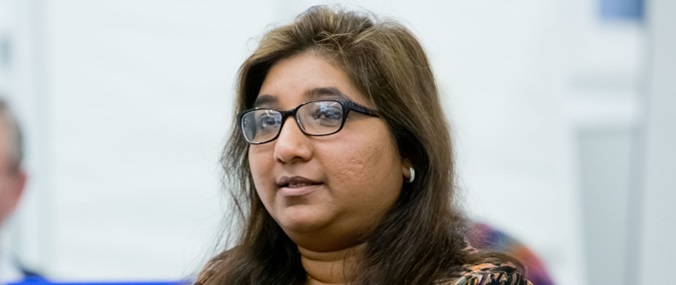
{"x":12,"y":178}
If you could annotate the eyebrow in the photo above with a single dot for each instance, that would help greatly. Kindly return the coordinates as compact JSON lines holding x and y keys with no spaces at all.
{"x":311,"y":94}
{"x":263,"y":100}
{"x":321,"y":92}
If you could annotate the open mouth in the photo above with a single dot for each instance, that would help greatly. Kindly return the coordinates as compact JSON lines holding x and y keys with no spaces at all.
{"x":295,"y":182}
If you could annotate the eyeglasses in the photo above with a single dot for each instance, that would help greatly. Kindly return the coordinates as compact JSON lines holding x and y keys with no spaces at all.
{"x":314,"y":118}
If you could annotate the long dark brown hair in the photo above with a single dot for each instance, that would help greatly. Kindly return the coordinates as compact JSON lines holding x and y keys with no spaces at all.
{"x":422,"y":237}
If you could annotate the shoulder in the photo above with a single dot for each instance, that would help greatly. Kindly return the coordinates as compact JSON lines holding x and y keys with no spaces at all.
{"x":487,"y":274}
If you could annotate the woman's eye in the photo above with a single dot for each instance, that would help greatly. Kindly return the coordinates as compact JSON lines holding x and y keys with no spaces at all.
{"x":328,"y":114}
{"x":268,"y":122}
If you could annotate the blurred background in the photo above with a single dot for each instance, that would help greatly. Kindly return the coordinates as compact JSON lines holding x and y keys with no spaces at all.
{"x":562,"y":113}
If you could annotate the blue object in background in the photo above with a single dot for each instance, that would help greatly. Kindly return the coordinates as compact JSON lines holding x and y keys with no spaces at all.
{"x":630,"y":10}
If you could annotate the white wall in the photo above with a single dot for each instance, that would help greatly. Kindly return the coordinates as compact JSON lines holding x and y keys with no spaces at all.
{"x":658,"y":231}
{"x":140,"y":98}
{"x":20,"y":80}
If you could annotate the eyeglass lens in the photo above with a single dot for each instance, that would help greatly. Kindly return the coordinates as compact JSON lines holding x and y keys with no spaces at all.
{"x":313,"y":118}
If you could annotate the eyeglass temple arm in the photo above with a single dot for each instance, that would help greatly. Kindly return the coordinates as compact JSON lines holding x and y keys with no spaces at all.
{"x":364,"y":110}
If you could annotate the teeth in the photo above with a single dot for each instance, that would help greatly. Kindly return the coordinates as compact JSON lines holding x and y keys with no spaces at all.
{"x":298,"y":184}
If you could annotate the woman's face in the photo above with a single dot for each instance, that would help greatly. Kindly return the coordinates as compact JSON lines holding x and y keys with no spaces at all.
{"x":325,"y":192}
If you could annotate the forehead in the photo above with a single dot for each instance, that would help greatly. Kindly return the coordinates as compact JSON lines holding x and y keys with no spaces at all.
{"x":305,"y":77}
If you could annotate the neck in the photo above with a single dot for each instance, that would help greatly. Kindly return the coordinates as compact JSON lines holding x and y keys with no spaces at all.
{"x":334,"y":267}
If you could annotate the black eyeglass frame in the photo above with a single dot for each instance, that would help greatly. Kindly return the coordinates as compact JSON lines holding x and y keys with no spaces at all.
{"x":345,"y":103}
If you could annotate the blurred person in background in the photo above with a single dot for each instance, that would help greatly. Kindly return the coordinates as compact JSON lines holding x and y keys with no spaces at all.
{"x":12,"y":182}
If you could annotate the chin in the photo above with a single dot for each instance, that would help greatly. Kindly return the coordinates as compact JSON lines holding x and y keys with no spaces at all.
{"x":300,"y":221}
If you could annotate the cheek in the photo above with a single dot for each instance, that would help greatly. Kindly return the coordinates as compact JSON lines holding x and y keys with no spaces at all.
{"x":260,"y":165}
{"x":356,"y":166}
{"x":369,"y":170}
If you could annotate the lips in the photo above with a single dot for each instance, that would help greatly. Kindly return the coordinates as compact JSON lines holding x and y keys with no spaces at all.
{"x":296,"y":186}
{"x":295,"y":182}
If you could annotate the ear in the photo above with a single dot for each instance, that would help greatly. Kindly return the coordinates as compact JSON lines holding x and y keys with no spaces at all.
{"x":15,"y":189}
{"x":21,"y":179}
{"x":405,"y":165}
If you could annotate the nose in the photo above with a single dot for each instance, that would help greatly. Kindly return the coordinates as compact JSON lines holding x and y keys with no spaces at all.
{"x":292,"y":145}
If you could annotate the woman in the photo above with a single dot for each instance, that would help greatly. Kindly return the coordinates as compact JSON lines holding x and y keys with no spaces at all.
{"x":341,"y":164}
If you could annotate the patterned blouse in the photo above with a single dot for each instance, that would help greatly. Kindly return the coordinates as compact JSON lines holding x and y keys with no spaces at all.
{"x":487,"y":274}
{"x":489,"y":238}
